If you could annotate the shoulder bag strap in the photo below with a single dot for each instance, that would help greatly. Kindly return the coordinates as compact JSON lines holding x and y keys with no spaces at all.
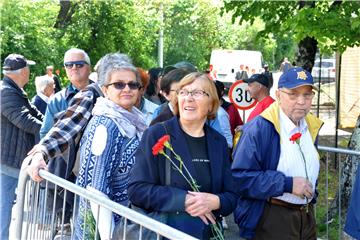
{"x":167,"y":163}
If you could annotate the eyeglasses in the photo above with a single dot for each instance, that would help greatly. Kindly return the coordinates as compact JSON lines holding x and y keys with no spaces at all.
{"x":122,"y":85}
{"x":78,"y":64}
{"x":195,"y":93}
{"x":295,"y":96}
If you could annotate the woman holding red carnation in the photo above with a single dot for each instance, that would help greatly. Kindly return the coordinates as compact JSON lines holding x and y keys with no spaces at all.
{"x":203,"y":151}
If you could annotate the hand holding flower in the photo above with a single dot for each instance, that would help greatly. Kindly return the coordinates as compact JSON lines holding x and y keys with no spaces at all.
{"x":302,"y":187}
{"x":200,"y":203}
{"x":206,"y":218}
{"x":197,"y":204}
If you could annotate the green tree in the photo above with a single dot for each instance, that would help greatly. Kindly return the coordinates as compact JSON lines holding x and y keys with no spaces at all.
{"x":313,"y":24}
{"x":190,"y":31}
{"x":26,"y":28}
{"x":100,"y":27}
{"x":45,"y":29}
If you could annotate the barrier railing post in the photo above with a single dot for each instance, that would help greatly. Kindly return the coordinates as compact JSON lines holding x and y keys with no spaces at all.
{"x":20,"y":199}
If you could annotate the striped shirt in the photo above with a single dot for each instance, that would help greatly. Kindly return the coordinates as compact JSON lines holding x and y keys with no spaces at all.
{"x":291,"y":161}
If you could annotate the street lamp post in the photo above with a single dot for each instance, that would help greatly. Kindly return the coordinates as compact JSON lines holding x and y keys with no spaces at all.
{"x":161,"y":38}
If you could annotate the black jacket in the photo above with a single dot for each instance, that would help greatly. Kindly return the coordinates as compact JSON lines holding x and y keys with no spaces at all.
{"x":20,"y":124}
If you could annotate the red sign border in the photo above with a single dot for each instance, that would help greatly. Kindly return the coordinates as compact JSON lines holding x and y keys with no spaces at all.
{"x":232,"y":100}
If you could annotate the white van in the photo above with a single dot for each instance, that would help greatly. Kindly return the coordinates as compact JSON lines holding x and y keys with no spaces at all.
{"x":224,"y":64}
{"x":328,"y":69}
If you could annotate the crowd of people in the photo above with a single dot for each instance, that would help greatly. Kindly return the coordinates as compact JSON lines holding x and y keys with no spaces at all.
{"x":101,"y":133}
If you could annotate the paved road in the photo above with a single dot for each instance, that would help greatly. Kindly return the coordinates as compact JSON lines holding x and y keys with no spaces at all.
{"x":232,"y":232}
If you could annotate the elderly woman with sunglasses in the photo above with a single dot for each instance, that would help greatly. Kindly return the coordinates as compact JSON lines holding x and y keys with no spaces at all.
{"x":107,"y":148}
{"x":203,"y":151}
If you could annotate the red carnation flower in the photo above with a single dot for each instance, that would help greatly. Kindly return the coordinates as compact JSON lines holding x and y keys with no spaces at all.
{"x":295,"y":137}
{"x":158,"y":147}
{"x":164,"y":139}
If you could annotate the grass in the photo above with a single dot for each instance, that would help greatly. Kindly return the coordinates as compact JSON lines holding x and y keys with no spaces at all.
{"x":321,"y":207}
{"x":333,"y":185}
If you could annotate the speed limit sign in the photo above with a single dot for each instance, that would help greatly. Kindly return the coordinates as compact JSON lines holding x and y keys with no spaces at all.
{"x":240,"y":97}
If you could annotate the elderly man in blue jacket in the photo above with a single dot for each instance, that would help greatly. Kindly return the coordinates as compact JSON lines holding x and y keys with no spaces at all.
{"x":276,"y":165}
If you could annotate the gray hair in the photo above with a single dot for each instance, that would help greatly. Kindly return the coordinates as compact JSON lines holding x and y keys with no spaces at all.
{"x":113,"y":62}
{"x":77,"y":50}
{"x":42,"y":82}
{"x":8,"y":72}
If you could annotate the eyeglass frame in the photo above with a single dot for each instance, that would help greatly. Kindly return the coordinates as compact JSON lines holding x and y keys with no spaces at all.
{"x":295,"y":96}
{"x":131,"y":87}
{"x":202,"y":93}
{"x":78,"y":64}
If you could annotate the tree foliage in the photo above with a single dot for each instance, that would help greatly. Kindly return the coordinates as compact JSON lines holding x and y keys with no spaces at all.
{"x":334,"y":24}
{"x":27,"y":28}
{"x":43,"y":30}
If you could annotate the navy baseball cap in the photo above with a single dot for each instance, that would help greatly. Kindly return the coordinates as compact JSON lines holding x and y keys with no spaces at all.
{"x":296,"y":77}
{"x":15,"y":62}
{"x":260,"y":78}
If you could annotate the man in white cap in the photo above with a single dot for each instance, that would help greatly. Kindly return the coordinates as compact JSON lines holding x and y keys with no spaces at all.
{"x":20,"y":125}
{"x":275,"y":178}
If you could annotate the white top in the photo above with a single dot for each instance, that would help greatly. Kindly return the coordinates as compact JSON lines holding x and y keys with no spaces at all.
{"x":291,"y":161}
{"x":148,"y":110}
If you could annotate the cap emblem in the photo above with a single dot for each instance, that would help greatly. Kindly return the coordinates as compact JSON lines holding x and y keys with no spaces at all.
{"x":302,"y":75}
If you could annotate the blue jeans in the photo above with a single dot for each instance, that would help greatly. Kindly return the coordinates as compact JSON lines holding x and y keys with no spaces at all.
{"x":7,"y":196}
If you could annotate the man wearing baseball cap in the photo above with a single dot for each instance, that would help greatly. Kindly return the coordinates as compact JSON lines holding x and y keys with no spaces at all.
{"x":259,"y":89}
{"x":20,"y":125}
{"x":276,"y":165}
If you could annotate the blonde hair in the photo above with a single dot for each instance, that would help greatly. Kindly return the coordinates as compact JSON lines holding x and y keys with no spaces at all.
{"x":209,"y":87}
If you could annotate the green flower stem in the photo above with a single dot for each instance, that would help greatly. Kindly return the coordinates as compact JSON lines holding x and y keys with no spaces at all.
{"x":306,"y":173}
{"x":181,"y":164}
{"x":215,"y":228}
{"x":216,"y":231}
{"x":194,"y":187}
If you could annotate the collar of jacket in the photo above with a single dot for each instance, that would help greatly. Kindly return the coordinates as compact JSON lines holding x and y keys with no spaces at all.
{"x":272,"y":114}
{"x":71,"y":91}
{"x":13,"y":84}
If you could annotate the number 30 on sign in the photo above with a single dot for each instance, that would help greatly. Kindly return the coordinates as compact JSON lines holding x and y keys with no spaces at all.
{"x":240,"y":97}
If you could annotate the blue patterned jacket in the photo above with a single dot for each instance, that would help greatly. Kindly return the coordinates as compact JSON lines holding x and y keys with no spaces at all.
{"x":105,"y":164}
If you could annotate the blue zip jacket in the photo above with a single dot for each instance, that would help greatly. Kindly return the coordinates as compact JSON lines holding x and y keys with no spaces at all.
{"x":352,"y":225}
{"x":256,"y":158}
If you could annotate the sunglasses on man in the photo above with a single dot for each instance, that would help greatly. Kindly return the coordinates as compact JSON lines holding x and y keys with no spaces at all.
{"x":121,"y":85}
{"x":78,"y":64}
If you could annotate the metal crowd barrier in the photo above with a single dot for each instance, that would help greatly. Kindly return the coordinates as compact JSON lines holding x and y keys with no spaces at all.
{"x":332,"y":231}
{"x":34,"y":221}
